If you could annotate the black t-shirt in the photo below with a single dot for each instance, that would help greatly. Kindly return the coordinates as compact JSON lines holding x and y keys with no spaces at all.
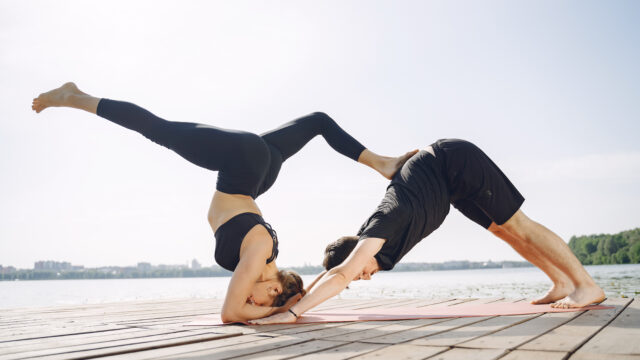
{"x":415,"y":204}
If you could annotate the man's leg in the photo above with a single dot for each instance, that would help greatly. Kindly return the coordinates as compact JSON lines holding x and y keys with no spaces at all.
{"x":475,"y":178}
{"x":532,"y":234}
{"x":562,"y":284}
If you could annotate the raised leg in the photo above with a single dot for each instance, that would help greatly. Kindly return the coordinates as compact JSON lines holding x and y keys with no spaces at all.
{"x":294,"y":135}
{"x":551,"y":247}
{"x":235,"y":152}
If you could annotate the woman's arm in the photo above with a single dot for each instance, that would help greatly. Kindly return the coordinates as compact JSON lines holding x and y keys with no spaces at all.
{"x":332,"y":283}
{"x":253,"y":257}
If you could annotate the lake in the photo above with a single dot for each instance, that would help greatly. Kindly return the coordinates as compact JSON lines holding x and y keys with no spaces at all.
{"x":616,"y":280}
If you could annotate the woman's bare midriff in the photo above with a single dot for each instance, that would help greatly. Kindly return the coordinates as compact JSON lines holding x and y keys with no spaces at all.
{"x":225,"y":206}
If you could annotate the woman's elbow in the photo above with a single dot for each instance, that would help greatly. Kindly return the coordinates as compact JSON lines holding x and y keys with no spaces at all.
{"x":226,"y":319}
{"x":229,"y":315}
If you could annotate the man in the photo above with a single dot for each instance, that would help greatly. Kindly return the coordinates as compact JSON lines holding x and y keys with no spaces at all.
{"x":456,"y":172}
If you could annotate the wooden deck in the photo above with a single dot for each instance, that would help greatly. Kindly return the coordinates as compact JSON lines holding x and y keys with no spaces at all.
{"x":154,"y":330}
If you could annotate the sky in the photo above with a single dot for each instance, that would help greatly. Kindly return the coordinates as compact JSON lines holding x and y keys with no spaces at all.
{"x":549,"y":90}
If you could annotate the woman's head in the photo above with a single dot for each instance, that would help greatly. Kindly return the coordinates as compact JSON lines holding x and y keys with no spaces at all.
{"x":276,"y":291}
{"x":291,"y":284}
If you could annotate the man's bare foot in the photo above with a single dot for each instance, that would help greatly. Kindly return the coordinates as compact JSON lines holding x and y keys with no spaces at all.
{"x":581,"y":297}
{"x":389,"y":166}
{"x":55,"y":97}
{"x":557,"y":292}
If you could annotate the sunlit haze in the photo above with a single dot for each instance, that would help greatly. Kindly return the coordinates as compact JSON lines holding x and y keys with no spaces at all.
{"x":550,"y":90}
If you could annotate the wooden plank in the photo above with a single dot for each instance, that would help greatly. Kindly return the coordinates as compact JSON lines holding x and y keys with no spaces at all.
{"x":516,"y":335}
{"x":159,"y":349}
{"x":573,"y":334}
{"x":418,"y":328}
{"x":403,"y":352}
{"x":342,"y":352}
{"x":343,"y":333}
{"x":435,"y":327}
{"x":219,"y":349}
{"x":621,"y":336}
{"x":465,"y":329}
{"x":134,"y":344}
{"x":19,"y":347}
{"x":535,"y":355}
{"x":387,"y":330}
{"x":288,"y":352}
{"x":589,"y":356}
{"x":303,"y":328}
{"x":90,"y":337}
{"x":466,"y":354}
{"x":47,"y":332}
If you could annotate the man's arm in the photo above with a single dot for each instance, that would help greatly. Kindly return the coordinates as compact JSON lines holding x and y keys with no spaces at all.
{"x":310,"y":286}
{"x":332,"y":283}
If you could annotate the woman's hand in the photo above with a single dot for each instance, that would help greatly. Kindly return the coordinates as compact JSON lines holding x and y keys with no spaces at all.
{"x":290,"y":302}
{"x":281,"y":318}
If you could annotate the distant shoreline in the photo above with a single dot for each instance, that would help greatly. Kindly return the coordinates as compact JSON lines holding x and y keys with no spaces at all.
{"x":181,"y":271}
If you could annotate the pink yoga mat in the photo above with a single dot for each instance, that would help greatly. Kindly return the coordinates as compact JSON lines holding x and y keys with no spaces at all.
{"x":409,"y":313}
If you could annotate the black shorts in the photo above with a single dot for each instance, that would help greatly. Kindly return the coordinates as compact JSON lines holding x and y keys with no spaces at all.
{"x":477,"y":186}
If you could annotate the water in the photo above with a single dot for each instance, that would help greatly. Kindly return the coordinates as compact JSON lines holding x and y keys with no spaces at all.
{"x":616,"y":280}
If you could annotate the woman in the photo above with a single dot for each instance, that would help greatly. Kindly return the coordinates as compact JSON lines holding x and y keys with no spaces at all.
{"x":247,"y":166}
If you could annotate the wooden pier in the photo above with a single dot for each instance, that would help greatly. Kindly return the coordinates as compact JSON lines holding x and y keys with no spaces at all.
{"x":155,"y":330}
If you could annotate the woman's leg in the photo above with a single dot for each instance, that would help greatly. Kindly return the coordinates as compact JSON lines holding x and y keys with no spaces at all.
{"x":206,"y":146}
{"x":294,"y":135}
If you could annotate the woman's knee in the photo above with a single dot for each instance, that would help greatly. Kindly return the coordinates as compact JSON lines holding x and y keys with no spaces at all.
{"x":321,"y":120}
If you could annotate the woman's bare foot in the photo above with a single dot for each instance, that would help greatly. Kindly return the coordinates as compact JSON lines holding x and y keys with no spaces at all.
{"x":557,"y":292}
{"x":581,"y":297}
{"x":56,"y":97}
{"x":388,"y":166}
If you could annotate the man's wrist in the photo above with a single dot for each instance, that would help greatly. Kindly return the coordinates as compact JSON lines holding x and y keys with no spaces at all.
{"x":293,"y":313}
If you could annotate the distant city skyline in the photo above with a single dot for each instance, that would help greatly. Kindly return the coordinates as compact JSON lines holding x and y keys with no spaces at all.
{"x":549,"y":90}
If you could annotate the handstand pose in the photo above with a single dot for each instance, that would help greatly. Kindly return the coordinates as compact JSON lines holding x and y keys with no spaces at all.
{"x":417,"y":200}
{"x":248,"y":165}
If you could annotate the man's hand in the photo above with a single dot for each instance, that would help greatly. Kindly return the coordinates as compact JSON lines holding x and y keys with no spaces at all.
{"x":281,"y":318}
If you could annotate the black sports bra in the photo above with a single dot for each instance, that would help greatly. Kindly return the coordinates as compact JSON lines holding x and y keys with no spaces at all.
{"x":229,"y":238}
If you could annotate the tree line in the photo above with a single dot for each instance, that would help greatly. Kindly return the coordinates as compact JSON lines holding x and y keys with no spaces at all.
{"x":620,"y":248}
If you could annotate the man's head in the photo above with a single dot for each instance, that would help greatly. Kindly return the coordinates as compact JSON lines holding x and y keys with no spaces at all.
{"x":337,"y":251}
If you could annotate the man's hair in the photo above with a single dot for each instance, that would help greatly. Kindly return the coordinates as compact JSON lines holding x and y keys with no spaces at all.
{"x":338,"y":251}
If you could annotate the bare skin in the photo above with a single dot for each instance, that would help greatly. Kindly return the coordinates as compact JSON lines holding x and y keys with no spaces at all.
{"x":67,"y":95}
{"x":385,"y":165}
{"x":551,"y":249}
{"x":562,"y":285}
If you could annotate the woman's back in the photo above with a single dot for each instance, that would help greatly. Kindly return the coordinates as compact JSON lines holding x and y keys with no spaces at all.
{"x":225,"y":206}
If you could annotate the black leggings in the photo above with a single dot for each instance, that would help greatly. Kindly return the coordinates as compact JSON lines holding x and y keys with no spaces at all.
{"x":248,"y":164}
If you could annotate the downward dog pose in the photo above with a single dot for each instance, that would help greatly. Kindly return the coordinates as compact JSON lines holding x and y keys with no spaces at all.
{"x":247,"y":166}
{"x":416,"y":203}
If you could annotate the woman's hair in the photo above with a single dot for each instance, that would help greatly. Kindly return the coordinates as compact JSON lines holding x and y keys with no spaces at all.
{"x":338,"y":251}
{"x":291,"y":285}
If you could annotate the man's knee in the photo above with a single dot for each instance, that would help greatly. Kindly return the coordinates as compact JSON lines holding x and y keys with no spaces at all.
{"x":517,"y":224}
